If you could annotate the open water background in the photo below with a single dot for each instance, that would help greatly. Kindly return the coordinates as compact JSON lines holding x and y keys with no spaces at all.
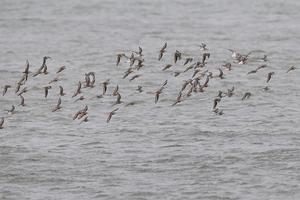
{"x":150,"y":151}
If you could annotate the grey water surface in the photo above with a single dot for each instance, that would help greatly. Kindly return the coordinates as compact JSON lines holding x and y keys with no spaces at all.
{"x":148,"y":150}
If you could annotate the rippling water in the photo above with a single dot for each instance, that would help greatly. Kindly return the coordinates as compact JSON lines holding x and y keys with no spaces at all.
{"x":150,"y":151}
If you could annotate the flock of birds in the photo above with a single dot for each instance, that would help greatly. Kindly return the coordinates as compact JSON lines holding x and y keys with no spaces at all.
{"x":197,"y":83}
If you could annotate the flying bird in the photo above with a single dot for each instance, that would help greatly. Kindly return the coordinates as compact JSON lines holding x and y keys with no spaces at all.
{"x":104,"y":86}
{"x":203,"y":47}
{"x":270,"y":74}
{"x":22,"y":101}
{"x":178,"y":99}
{"x":204,"y":57}
{"x":111,"y":114}
{"x":58,"y":106}
{"x":140,"y":64}
{"x":216,"y":101}
{"x":5,"y":89}
{"x":18,"y":87}
{"x":246,"y":95}
{"x":227,"y":66}
{"x":78,"y":90}
{"x":12,"y":110}
{"x":85,"y":119}
{"x":54,"y":80}
{"x":177,"y":56}
{"x":1,"y":123}
{"x":119,"y":56}
{"x":162,"y":51}
{"x":187,"y":60}
{"x":218,"y":111}
{"x":61,"y":91}
{"x":157,"y":93}
{"x":115,"y":90}
{"x":140,"y":89}
{"x":93,"y":79}
{"x":177,"y":73}
{"x":80,"y":113}
{"x":234,"y":54}
{"x":26,"y":71}
{"x":206,"y":81}
{"x":266,"y":88}
{"x":118,"y":98}
{"x":165,"y":83}
{"x":87,"y":80}
{"x":62,"y":68}
{"x":290,"y":69}
{"x":127,"y":72}
{"x":230,"y":92}
{"x":167,"y":67}
{"x":256,"y":70}
{"x":24,"y":90}
{"x":134,"y":77}
{"x":139,"y":53}
{"x":252,"y":71}
{"x":221,"y":74}
{"x":80,"y":98}
{"x":46,"y":89}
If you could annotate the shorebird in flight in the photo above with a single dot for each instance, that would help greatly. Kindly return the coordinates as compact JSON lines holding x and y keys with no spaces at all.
{"x":26,"y":71}
{"x":204,"y":57}
{"x":24,"y":90}
{"x":119,"y":56}
{"x":111,"y":114}
{"x":12,"y":110}
{"x":230,"y":92}
{"x":80,"y":98}
{"x":203,"y":47}
{"x":290,"y":69}
{"x":265,"y":58}
{"x":22,"y":101}
{"x":127,"y":72}
{"x":139,"y":53}
{"x":43,"y":68}
{"x":62,"y":68}
{"x":5,"y":89}
{"x":140,"y":89}
{"x":216,"y":101}
{"x":221,"y":74}
{"x":46,"y":89}
{"x":115,"y":91}
{"x":1,"y":123}
{"x":134,"y":77}
{"x":178,"y":99}
{"x":58,"y":106}
{"x":85,"y":119}
{"x":218,"y":111}
{"x":162,"y":51}
{"x":118,"y":98}
{"x":227,"y":66}
{"x":270,"y":74}
{"x":234,"y":54}
{"x":79,"y":114}
{"x":78,"y":90}
{"x":167,"y":67}
{"x":104,"y":86}
{"x":246,"y":95}
{"x":61,"y":91}
{"x":177,"y":56}
{"x":157,"y":93}
{"x":54,"y":80}
{"x":188,"y":60}
{"x":256,"y":70}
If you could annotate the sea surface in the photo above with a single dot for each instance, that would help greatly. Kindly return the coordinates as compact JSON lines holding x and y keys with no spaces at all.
{"x":150,"y":151}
